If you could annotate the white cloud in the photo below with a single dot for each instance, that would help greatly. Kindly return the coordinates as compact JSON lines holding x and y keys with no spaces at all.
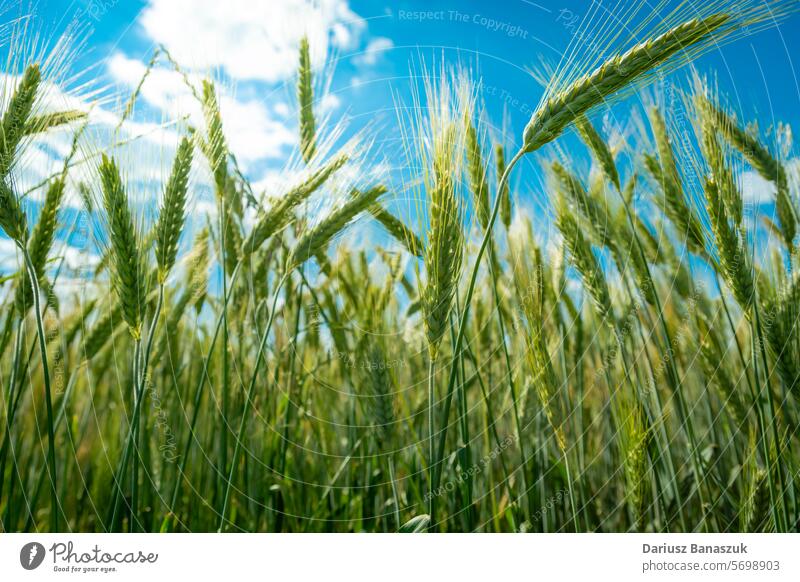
{"x":281,"y":109}
{"x":793,"y":171}
{"x":78,"y":259}
{"x":245,"y":41}
{"x":755,"y":189}
{"x":375,"y":49}
{"x":203,"y":208}
{"x":275,"y":182}
{"x":250,"y":40}
{"x":164,"y":88}
{"x":35,"y":165}
{"x":252,"y":132}
{"x":9,"y":256}
{"x":328,"y":103}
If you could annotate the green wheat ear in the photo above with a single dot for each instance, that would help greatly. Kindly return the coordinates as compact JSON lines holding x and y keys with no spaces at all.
{"x":228,"y":197}
{"x":505,"y":191}
{"x":443,"y":145}
{"x":633,"y":437}
{"x":781,"y":330}
{"x":377,"y":396}
{"x":762,"y":160}
{"x":12,"y":218}
{"x":397,"y":229}
{"x":42,"y":123}
{"x":41,"y":240}
{"x":570,"y":185}
{"x":616,"y":73}
{"x":445,"y":249}
{"x":128,"y":278}
{"x":619,"y":230}
{"x":477,"y":172}
{"x":305,"y":97}
{"x":601,"y":151}
{"x":318,"y":237}
{"x":584,"y":260}
{"x":16,"y":117}
{"x":733,"y":256}
{"x":215,"y":147}
{"x":173,"y":210}
{"x":271,"y":221}
{"x":529,"y":283}
{"x":754,"y":504}
{"x":665,"y":172}
{"x":712,"y":150}
{"x":197,"y":270}
{"x":712,"y":353}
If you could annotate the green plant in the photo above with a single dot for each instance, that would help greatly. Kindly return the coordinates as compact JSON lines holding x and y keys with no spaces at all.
{"x":272,"y":375}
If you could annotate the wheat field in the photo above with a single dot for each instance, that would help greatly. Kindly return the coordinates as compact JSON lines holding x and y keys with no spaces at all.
{"x":255,"y":369}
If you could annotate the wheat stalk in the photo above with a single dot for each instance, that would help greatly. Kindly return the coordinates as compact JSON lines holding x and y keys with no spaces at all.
{"x":215,"y":147}
{"x":12,"y":218}
{"x":712,"y":150}
{"x":16,"y":118}
{"x":531,"y":289}
{"x":477,"y":172}
{"x":173,"y":209}
{"x":668,"y":177}
{"x":585,"y":261}
{"x":280,"y":214}
{"x":712,"y":360}
{"x":504,"y":192}
{"x":47,"y":121}
{"x":616,"y":73}
{"x":127,"y":277}
{"x":229,"y":200}
{"x":733,"y":257}
{"x":445,"y":245}
{"x":129,"y":281}
{"x":781,"y":331}
{"x":759,"y":157}
{"x":633,"y":435}
{"x":305,"y":97}
{"x":754,"y":512}
{"x":319,"y":236}
{"x":379,"y":402}
{"x":397,"y":229}
{"x":601,"y":151}
{"x":41,"y":241}
{"x":197,"y":271}
{"x":603,"y":228}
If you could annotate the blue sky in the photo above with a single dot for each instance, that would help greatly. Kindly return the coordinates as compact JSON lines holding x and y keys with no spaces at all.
{"x":759,"y":69}
{"x":376,"y":47}
{"x":379,"y":42}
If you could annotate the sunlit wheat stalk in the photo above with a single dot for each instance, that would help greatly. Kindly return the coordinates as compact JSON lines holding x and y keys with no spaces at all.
{"x":307,"y":247}
{"x":556,"y":113}
{"x":14,"y":222}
